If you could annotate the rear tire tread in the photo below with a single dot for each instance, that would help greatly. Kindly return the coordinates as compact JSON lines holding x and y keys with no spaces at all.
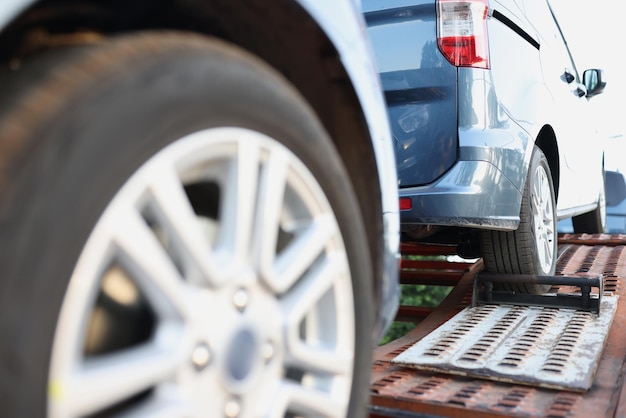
{"x":514,"y":252}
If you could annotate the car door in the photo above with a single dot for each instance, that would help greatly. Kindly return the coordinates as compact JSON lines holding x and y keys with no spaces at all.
{"x":579,"y":151}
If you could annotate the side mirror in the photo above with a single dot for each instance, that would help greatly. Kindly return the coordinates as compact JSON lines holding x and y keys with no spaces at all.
{"x":595,"y":82}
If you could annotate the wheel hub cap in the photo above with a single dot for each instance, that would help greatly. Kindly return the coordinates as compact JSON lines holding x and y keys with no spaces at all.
{"x":243,"y":352}
{"x":543,"y":219}
{"x":252,"y":307}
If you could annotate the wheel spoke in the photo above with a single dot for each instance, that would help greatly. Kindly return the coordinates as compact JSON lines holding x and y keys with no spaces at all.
{"x":103,"y":382}
{"x":546,"y":206}
{"x":149,"y":263}
{"x":238,"y":206}
{"x":270,"y":200}
{"x":303,"y":297}
{"x":537,"y":202}
{"x":536,"y":197}
{"x":159,"y":407}
{"x":312,"y":354}
{"x":540,"y":192}
{"x":300,"y":254}
{"x":544,"y":250}
{"x":315,"y":359}
{"x":307,"y":401}
{"x":178,"y":218}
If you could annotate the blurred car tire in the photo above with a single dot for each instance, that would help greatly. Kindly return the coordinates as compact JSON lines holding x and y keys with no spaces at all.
{"x":212,"y":125}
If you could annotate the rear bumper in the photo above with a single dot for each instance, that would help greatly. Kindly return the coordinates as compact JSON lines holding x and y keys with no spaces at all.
{"x":472,"y":194}
{"x":484,"y":188}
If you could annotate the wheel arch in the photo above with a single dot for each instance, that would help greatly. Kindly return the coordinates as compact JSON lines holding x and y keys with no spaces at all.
{"x":276,"y":34}
{"x":546,"y":141}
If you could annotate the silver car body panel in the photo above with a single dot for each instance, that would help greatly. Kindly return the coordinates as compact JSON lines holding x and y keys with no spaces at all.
{"x":343,"y":24}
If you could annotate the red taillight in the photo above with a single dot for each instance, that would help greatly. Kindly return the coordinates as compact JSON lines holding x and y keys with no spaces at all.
{"x":405,"y":203}
{"x":462,"y":32}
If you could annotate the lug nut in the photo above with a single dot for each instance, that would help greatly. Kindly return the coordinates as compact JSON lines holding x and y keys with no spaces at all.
{"x":232,"y":408}
{"x":201,"y":356}
{"x":267,"y":351}
{"x":241,"y":299}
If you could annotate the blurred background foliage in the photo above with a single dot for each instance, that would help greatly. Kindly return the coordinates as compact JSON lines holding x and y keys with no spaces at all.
{"x":417,"y":295}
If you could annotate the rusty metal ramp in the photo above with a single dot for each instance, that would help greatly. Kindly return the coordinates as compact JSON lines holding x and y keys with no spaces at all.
{"x":400,"y":391}
{"x":546,"y":347}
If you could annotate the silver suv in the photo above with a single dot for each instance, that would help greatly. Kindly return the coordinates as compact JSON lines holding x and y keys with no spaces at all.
{"x":493,"y":134}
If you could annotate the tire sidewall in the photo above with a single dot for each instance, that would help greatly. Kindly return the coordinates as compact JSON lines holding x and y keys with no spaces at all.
{"x":527,"y":224}
{"x":81,"y":154}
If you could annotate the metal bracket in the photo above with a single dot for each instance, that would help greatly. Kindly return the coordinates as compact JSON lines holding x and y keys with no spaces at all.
{"x":484,"y":293}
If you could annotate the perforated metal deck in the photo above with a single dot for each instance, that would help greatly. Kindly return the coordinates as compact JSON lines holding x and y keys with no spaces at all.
{"x":547,"y":347}
{"x":400,"y":391}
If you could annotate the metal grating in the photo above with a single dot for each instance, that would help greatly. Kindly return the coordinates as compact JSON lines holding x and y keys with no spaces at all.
{"x":546,"y":347}
{"x":427,"y":393}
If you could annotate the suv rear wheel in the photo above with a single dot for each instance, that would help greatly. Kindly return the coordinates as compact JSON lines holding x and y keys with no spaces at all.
{"x":531,"y":249}
{"x":181,"y":238}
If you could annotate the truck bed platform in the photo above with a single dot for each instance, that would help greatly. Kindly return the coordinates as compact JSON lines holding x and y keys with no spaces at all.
{"x":401,"y":391}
